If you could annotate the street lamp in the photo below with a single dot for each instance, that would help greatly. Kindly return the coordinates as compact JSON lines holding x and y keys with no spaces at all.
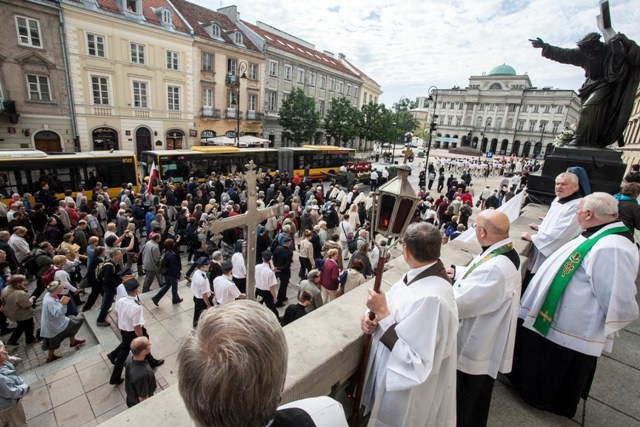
{"x":234,"y":82}
{"x":543,"y":125}
{"x":397,"y":123}
{"x":433,"y":97}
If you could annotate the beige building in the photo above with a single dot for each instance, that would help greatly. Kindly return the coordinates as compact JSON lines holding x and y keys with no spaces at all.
{"x":631,"y":150}
{"x":502,"y":113}
{"x":35,"y":111}
{"x":370,"y":90}
{"x":226,"y":62}
{"x":131,"y":67}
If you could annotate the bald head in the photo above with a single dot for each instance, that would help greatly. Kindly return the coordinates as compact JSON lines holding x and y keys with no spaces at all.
{"x":491,"y":227}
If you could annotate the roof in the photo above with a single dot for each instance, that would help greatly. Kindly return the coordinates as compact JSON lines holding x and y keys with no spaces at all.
{"x":502,"y":70}
{"x":299,"y":50}
{"x":200,"y":17}
{"x":148,"y":11}
{"x":360,"y":72}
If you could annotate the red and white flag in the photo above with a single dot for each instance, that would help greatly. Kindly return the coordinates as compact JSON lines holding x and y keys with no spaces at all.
{"x":153,"y":175}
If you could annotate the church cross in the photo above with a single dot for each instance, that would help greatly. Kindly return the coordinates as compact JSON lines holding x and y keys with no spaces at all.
{"x":250,"y":221}
{"x":545,"y":316}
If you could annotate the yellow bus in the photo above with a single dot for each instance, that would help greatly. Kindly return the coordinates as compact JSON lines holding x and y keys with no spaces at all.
{"x":200,"y":161}
{"x":23,"y":171}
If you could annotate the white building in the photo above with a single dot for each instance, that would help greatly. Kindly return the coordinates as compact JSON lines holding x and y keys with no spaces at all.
{"x":501,"y":112}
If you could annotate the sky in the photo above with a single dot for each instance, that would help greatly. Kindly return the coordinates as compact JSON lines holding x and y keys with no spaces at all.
{"x":408,"y":46}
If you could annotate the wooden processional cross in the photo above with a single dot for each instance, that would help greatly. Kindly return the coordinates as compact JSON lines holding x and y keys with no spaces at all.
{"x":250,"y":221}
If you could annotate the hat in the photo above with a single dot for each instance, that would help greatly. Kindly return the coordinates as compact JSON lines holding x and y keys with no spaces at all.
{"x":53,"y":286}
{"x":267,"y":255}
{"x":261,"y":229}
{"x":226,"y":266}
{"x":286,"y":238}
{"x":131,"y":284}
{"x":202,"y":261}
{"x":125,"y":272}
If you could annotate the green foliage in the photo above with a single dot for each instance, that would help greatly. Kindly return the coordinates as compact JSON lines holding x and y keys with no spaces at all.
{"x":376,"y":123}
{"x":298,"y":116}
{"x":342,"y":121}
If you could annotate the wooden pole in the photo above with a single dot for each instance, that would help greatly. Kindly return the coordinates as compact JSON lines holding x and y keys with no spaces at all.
{"x":354,"y":419}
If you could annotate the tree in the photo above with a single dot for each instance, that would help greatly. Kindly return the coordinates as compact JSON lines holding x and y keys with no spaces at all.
{"x":377,"y":123}
{"x":342,"y":120}
{"x":405,"y":122}
{"x":298,"y":116}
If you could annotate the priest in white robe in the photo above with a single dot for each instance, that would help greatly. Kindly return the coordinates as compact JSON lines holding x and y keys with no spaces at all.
{"x":559,"y":225}
{"x":411,"y":371}
{"x":568,"y":324}
{"x":487,"y":294}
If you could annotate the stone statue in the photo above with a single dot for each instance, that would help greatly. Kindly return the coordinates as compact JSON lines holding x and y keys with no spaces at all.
{"x":612,"y":71}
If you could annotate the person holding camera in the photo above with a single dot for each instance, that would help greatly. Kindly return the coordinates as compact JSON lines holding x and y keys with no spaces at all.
{"x":54,"y":325}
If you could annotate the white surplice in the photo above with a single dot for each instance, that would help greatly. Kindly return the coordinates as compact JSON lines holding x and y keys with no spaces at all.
{"x":559,"y":226}
{"x":415,"y":383}
{"x":599,"y":299}
{"x":488,"y":303}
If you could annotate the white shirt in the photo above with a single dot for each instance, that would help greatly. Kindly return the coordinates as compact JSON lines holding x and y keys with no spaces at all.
{"x":130,"y":313}
{"x":225,"y":290}
{"x":200,"y":284}
{"x":385,"y":173}
{"x":488,"y":303}
{"x":63,"y":277}
{"x":599,"y":299}
{"x":265,"y":277}
{"x":121,"y":292}
{"x":374,"y":175}
{"x":345,"y":228}
{"x":323,"y":410}
{"x":239,"y":268}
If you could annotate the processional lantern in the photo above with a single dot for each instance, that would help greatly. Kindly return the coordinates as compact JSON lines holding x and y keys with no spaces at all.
{"x":396,"y":202}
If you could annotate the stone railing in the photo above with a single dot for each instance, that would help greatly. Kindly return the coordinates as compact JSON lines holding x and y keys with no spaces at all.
{"x":325,"y":346}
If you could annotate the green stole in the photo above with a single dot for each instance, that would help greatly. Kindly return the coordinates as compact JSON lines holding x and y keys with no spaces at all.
{"x":494,"y":253}
{"x":560,"y":281}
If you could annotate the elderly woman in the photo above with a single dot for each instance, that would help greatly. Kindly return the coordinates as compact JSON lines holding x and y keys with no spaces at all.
{"x":628,"y":208}
{"x":12,"y":390}
{"x":19,"y":244}
{"x":17,"y":307}
{"x":54,"y":325}
{"x":329,"y":276}
{"x":355,"y":277}
{"x":306,"y":254}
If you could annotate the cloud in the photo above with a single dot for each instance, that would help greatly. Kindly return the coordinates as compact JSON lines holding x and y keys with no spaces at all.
{"x":410,"y":45}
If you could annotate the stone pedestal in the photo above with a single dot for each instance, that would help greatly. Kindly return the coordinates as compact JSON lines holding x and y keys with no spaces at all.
{"x":604,"y":168}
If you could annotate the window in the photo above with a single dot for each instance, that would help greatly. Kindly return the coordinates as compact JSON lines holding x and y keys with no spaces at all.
{"x":312,"y":79}
{"x":38,"y":86}
{"x":253,"y":71}
{"x":458,"y":121}
{"x":479,"y":122}
{"x":137,"y":53}
{"x":481,"y":107}
{"x":207,"y":62}
{"x":559,"y":109}
{"x":490,"y":107}
{"x":355,"y":92}
{"x":238,"y":37}
{"x":495,"y":86}
{"x":536,"y":108}
{"x":449,"y":120}
{"x":28,"y":32}
{"x":488,"y":123}
{"x":340,"y":87}
{"x":348,"y":90}
{"x":214,"y":31}
{"x":500,"y":108}
{"x":173,"y":60}
{"x":513,"y":108}
{"x":300,"y":76}
{"x":253,"y":102}
{"x":321,"y":107}
{"x":499,"y":122}
{"x":95,"y":45}
{"x":322,"y":80}
{"x":140,"y":95}
{"x":525,"y":108}
{"x":520,"y":125}
{"x":207,"y":97}
{"x":556,"y":125}
{"x":173,"y":98}
{"x":132,"y":6}
{"x":547,"y":108}
{"x":532,"y":125}
{"x":231,"y":99}
{"x":231,"y":66}
{"x":543,"y":125}
{"x":272,"y":101}
{"x":451,"y":105}
{"x":332,"y":84}
{"x":166,"y":17}
{"x":273,"y":68}
{"x":285,"y":96}
{"x":288,"y":72}
{"x":100,"y":89}
{"x":460,"y":105}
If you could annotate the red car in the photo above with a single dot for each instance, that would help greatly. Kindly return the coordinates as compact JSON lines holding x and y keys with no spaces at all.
{"x":357,"y":167}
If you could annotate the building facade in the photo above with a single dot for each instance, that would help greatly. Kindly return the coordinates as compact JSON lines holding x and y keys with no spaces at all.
{"x":502,"y":113}
{"x":228,"y":67}
{"x":631,"y":150}
{"x":131,"y":67}
{"x":35,"y":108}
{"x":294,"y":63}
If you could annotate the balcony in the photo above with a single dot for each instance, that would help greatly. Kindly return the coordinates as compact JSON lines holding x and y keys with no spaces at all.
{"x":210,"y":112}
{"x":231,"y":114}
{"x":9,"y":108}
{"x":103,"y":111}
{"x":142,"y":114}
{"x":254,"y":115}
{"x":174,"y":115}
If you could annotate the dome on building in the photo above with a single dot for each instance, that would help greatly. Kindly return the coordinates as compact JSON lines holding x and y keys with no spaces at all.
{"x":502,"y":70}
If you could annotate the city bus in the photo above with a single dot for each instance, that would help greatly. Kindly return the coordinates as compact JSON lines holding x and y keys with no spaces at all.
{"x":200,"y":161}
{"x":22,"y":171}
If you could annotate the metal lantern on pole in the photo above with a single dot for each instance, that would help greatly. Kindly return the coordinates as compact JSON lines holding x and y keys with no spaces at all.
{"x":394,"y":205}
{"x":433,"y":126}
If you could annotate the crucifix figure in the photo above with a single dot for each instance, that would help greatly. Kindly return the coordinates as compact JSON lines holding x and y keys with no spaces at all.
{"x":250,"y":221}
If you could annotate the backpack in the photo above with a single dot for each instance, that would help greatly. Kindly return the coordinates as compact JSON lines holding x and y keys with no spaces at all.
{"x":100,"y":271}
{"x":319,"y":263}
{"x":343,"y":277}
{"x":30,"y":264}
{"x":451,"y":228}
{"x":47,"y":276}
{"x":275,"y":243}
{"x":162,"y":264}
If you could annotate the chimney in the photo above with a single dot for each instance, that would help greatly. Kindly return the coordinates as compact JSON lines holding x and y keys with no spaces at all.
{"x":231,"y":12}
{"x":326,"y":52}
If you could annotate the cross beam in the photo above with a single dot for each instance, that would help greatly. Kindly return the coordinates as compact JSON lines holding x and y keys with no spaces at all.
{"x":250,"y":221}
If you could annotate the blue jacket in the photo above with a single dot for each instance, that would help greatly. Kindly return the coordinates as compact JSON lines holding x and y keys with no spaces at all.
{"x":12,"y":388}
